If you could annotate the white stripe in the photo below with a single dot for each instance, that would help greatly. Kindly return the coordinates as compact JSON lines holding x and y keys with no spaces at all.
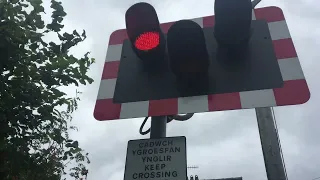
{"x":114,"y":52}
{"x":291,"y":69}
{"x":106,"y":89}
{"x":193,"y":104}
{"x":279,"y":30}
{"x":134,"y":109}
{"x":253,"y":15}
{"x":259,"y":98}
{"x":198,"y":21}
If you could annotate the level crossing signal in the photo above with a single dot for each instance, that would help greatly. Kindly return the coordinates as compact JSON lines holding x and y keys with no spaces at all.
{"x":237,"y":59}
{"x":190,"y":60}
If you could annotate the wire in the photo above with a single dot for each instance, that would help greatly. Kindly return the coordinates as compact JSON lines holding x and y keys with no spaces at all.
{"x":276,"y":128}
{"x":141,"y":127}
{"x":169,"y":119}
{"x":183,"y":117}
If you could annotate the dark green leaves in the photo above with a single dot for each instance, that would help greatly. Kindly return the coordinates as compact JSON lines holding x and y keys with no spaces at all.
{"x":75,"y":33}
{"x":74,"y":144}
{"x":33,"y":71}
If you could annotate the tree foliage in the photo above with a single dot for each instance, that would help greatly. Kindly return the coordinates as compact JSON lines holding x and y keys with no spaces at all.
{"x":34,"y":112}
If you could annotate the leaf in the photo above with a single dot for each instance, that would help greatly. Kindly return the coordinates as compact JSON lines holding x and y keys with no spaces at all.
{"x":82,"y":81}
{"x":55,"y":48}
{"x":68,"y":145}
{"x":74,"y":82}
{"x":75,"y":33}
{"x":63,"y":63}
{"x":56,"y":27}
{"x":57,"y":92}
{"x":68,"y":37}
{"x":72,"y":59}
{"x":44,"y":43}
{"x":70,"y":153}
{"x":84,"y":34}
{"x":75,"y":144}
{"x":14,"y":1}
{"x":61,"y":37}
{"x":88,"y":160}
{"x":90,"y":80}
{"x":34,"y":46}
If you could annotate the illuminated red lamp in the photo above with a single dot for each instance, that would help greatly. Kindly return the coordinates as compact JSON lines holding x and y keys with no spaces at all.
{"x":147,"y":41}
{"x":144,"y":32}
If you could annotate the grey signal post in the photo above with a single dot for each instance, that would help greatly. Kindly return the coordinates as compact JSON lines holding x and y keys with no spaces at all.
{"x":158,"y":127}
{"x":270,"y":145}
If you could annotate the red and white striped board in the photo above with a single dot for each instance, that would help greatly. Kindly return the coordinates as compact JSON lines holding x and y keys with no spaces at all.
{"x":294,"y":91}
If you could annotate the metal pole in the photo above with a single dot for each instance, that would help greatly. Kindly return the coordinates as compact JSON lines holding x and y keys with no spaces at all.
{"x":270,"y":145}
{"x":158,"y":127}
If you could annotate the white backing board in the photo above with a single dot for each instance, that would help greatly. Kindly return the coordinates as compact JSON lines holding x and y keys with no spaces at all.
{"x":156,"y":159}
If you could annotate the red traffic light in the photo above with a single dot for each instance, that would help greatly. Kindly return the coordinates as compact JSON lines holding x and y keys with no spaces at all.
{"x":147,"y":41}
{"x":141,"y":18}
{"x":145,"y":35}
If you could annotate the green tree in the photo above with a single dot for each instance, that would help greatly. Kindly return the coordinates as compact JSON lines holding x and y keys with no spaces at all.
{"x":34,"y":112}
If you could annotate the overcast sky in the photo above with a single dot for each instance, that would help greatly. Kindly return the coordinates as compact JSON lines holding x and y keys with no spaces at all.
{"x":223,"y":144}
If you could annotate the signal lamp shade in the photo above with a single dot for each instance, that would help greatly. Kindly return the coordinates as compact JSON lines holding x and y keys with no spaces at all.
{"x":144,"y":33}
{"x":232,"y":22}
{"x":187,"y":51}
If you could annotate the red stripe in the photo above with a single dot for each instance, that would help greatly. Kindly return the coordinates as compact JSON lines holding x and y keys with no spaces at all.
{"x":284,"y":48}
{"x":208,"y":21}
{"x":105,"y":109}
{"x":228,"y":101}
{"x":293,"y":92}
{"x":118,"y":36}
{"x":166,"y":26}
{"x":270,"y":14}
{"x":163,"y":107}
{"x":110,"y":70}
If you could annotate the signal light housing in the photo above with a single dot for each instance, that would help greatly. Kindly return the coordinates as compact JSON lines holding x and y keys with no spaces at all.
{"x":187,"y":52}
{"x":145,"y":35}
{"x":232,"y":22}
{"x":232,"y":32}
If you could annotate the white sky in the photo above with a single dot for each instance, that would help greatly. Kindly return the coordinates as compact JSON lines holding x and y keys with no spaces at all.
{"x":223,"y":144}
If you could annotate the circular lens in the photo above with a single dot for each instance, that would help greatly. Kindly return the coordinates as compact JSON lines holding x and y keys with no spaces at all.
{"x":147,"y":41}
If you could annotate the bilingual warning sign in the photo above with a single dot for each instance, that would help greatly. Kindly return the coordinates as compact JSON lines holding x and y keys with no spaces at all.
{"x":156,"y":159}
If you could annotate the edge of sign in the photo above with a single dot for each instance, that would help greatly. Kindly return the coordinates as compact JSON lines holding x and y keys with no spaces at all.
{"x":183,"y":137}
